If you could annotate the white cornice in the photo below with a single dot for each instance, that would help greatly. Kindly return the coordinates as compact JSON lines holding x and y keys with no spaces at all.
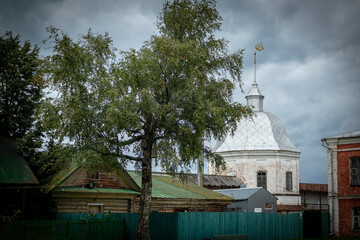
{"x":251,"y":153}
{"x":348,"y":140}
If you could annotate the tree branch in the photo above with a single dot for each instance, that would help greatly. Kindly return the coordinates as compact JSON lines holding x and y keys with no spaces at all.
{"x":130,"y":141}
{"x":120,"y":155}
{"x":138,"y":159}
{"x":165,"y":84}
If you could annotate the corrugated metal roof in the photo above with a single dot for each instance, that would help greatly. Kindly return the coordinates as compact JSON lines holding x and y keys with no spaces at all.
{"x":239,"y":193}
{"x":212,"y":181}
{"x":13,"y":168}
{"x":216,"y":181}
{"x":165,"y":186}
{"x":95,"y":190}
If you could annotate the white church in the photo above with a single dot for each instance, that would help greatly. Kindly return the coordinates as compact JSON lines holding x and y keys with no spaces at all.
{"x":261,"y":154}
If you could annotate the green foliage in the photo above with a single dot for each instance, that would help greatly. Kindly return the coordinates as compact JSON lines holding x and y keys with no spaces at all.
{"x":167,"y":97}
{"x":189,"y":20}
{"x":20,"y":85}
{"x":80,"y":73}
{"x":171,"y":95}
{"x":14,"y":217}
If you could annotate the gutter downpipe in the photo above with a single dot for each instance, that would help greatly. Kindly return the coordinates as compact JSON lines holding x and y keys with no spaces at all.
{"x":323,"y":142}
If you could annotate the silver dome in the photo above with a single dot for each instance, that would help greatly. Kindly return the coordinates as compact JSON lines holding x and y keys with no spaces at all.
{"x":263,"y":132}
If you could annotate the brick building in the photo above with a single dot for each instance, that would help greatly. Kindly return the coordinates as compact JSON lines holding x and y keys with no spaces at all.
{"x":344,"y":183}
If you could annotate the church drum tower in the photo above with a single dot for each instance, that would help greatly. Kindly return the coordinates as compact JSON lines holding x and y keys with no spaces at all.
{"x":261,"y":154}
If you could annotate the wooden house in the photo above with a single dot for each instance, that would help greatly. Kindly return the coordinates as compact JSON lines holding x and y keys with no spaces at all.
{"x":17,"y":181}
{"x":77,"y":191}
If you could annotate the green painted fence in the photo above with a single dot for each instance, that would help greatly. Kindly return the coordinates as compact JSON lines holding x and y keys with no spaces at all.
{"x":104,"y":229}
{"x":163,"y":225}
{"x":325,"y":224}
{"x":200,"y":225}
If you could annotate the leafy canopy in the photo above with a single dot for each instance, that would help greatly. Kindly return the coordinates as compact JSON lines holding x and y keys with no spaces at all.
{"x":20,"y":85}
{"x":165,"y":98}
{"x":169,"y":96}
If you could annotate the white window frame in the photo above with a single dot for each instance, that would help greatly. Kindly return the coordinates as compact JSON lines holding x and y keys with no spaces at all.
{"x":354,"y":171}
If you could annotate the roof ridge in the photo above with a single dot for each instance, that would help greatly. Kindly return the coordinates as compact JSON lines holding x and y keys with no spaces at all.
{"x":62,"y":175}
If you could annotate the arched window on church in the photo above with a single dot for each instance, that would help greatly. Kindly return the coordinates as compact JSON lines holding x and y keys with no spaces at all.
{"x":289,"y":181}
{"x":261,"y":179}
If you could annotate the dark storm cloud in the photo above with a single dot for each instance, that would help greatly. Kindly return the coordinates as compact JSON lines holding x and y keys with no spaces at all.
{"x":130,"y":23}
{"x":309,"y":70}
{"x":293,"y":29}
{"x":24,"y":18}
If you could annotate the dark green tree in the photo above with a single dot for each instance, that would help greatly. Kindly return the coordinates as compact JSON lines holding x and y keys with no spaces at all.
{"x":21,"y":90}
{"x":168,"y":97}
{"x":20,"y":85}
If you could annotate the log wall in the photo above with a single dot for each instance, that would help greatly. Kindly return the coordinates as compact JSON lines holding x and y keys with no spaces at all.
{"x":86,"y":204}
{"x":185,"y":205}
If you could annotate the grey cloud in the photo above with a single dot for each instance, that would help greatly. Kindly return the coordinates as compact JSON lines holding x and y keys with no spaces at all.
{"x":309,"y":71}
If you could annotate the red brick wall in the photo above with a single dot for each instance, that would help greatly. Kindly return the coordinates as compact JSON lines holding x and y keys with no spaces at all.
{"x":344,"y":187}
{"x":347,"y":146}
{"x":345,"y":217}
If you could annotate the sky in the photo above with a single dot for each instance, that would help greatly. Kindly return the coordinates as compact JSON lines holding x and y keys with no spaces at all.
{"x":309,"y":70}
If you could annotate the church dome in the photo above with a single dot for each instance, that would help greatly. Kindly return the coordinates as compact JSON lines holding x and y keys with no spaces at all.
{"x":262,"y":132}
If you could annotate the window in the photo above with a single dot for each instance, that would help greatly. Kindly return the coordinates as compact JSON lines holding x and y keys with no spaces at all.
{"x":356,"y":218}
{"x":261,"y":179}
{"x":269,"y":206}
{"x":95,"y":207}
{"x":288,"y":181}
{"x":355,"y":171}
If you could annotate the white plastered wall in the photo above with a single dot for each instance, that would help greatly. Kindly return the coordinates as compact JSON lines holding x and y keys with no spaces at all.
{"x":245,"y":165}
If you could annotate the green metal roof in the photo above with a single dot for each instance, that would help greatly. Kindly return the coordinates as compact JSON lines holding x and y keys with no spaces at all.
{"x":95,"y":190}
{"x":165,"y":186}
{"x":13,"y":168}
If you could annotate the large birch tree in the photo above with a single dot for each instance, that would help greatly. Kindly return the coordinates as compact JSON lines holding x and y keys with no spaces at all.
{"x":167,"y":97}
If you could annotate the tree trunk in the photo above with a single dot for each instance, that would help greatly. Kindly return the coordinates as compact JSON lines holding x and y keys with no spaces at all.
{"x":143,"y":225}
